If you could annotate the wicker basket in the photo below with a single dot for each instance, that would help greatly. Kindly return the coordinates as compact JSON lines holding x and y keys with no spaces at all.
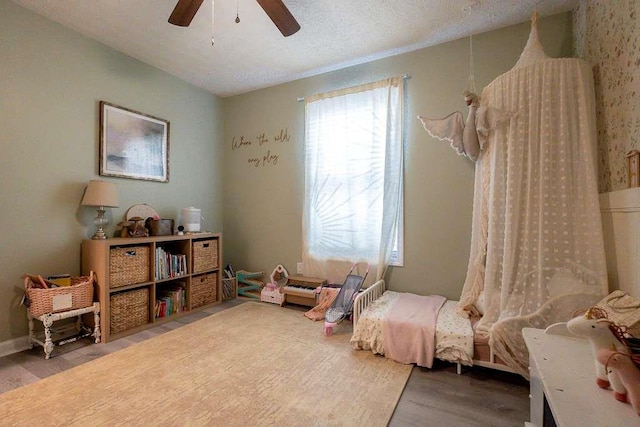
{"x":129,"y":309}
{"x":64,"y":298}
{"x":203,"y":290}
{"x":128,"y":265}
{"x":229,"y":289}
{"x":205,"y":255}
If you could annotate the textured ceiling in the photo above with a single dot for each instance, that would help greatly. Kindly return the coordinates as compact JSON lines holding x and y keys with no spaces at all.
{"x":253,"y":54}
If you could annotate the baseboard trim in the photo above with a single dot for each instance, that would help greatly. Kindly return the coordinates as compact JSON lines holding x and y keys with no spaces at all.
{"x":14,"y":346}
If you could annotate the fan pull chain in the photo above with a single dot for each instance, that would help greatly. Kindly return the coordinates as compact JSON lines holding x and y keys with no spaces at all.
{"x":212,"y":21}
{"x":237,"y":12}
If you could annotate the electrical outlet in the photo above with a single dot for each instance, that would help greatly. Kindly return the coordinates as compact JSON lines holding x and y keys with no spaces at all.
{"x":299,"y":268}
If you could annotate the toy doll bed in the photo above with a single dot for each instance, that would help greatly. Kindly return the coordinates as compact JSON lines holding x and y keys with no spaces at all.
{"x":454,"y":337}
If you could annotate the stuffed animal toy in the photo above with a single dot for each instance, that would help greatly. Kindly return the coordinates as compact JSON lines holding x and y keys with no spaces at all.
{"x":622,"y":364}
{"x":597,"y":329}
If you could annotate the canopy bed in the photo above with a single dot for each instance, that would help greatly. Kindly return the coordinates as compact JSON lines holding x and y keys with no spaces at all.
{"x":537,"y":249}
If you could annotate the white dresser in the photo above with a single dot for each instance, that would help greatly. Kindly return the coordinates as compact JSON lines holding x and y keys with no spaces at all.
{"x":563,"y":371}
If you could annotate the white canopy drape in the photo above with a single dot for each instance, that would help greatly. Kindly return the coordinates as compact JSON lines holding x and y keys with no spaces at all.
{"x":537,"y":251}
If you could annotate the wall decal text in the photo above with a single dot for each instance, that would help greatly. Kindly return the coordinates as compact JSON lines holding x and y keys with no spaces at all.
{"x":269,"y":157}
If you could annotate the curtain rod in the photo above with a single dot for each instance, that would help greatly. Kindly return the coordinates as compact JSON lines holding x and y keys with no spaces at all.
{"x":404,"y":77}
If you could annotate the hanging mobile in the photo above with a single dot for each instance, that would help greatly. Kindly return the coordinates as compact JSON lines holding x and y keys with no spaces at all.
{"x":470,"y":139}
{"x":462,"y":134}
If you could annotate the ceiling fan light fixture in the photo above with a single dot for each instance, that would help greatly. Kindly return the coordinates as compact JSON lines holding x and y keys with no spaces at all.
{"x":185,"y":10}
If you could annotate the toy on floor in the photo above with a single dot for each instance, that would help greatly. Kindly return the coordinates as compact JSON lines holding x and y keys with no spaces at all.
{"x":622,"y":364}
{"x":327,"y":296}
{"x":594,"y":326}
{"x":272,"y":291}
{"x":343,"y":303}
{"x":278,"y":278}
{"x":248,"y":282}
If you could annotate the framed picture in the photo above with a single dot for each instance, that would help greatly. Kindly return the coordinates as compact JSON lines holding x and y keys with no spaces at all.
{"x":132,"y":144}
{"x":633,"y":169}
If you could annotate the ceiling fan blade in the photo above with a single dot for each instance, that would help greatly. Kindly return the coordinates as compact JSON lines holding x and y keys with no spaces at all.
{"x":280,"y":15}
{"x":184,"y":12}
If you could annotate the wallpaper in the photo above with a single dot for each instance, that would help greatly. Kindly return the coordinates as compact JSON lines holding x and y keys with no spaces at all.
{"x":607,"y":35}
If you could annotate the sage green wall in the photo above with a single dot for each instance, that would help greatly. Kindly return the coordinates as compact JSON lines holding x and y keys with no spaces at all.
{"x":263,"y":202}
{"x":51,"y":81}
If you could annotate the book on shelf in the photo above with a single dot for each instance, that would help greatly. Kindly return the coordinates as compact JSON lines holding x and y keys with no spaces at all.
{"x":171,"y":299}
{"x":169,"y":265}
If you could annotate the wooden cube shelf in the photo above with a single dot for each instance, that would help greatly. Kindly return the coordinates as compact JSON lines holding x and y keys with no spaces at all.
{"x":148,"y":280}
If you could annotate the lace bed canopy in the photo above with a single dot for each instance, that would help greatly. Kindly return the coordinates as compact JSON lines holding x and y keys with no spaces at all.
{"x":537,"y":251}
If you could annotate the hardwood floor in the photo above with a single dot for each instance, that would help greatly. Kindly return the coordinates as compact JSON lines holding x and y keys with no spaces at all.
{"x":478,"y":397}
{"x":432,"y":397}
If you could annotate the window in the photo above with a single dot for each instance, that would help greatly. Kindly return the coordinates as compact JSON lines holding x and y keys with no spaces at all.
{"x":353,"y":174}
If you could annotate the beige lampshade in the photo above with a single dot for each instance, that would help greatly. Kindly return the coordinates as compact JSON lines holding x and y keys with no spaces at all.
{"x":100,"y":193}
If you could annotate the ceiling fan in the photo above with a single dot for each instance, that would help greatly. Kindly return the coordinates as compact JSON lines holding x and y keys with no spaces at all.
{"x":185,"y":10}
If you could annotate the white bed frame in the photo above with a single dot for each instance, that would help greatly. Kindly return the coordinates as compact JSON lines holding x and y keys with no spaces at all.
{"x":366,"y":297}
{"x":375,"y":291}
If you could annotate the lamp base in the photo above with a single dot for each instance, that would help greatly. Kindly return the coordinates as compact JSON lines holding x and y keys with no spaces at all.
{"x":100,"y":235}
{"x":100,"y":221}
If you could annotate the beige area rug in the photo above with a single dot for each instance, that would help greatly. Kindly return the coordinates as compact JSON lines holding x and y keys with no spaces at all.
{"x":254,"y":364}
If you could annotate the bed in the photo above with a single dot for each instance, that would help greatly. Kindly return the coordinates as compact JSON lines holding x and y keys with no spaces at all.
{"x":454,"y":337}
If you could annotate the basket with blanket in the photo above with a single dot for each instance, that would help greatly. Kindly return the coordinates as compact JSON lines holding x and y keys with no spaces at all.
{"x":43,"y":296}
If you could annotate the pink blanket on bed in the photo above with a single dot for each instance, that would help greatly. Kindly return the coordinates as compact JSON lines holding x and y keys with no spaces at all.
{"x":409,"y":329}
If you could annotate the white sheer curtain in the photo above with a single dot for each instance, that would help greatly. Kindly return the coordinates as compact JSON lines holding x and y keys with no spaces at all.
{"x":353,"y":178}
{"x":537,"y":250}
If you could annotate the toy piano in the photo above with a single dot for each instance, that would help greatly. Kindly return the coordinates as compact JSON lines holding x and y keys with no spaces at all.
{"x":301,"y":290}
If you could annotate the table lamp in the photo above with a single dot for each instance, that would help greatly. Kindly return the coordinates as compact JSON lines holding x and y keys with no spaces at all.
{"x":103,"y":195}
